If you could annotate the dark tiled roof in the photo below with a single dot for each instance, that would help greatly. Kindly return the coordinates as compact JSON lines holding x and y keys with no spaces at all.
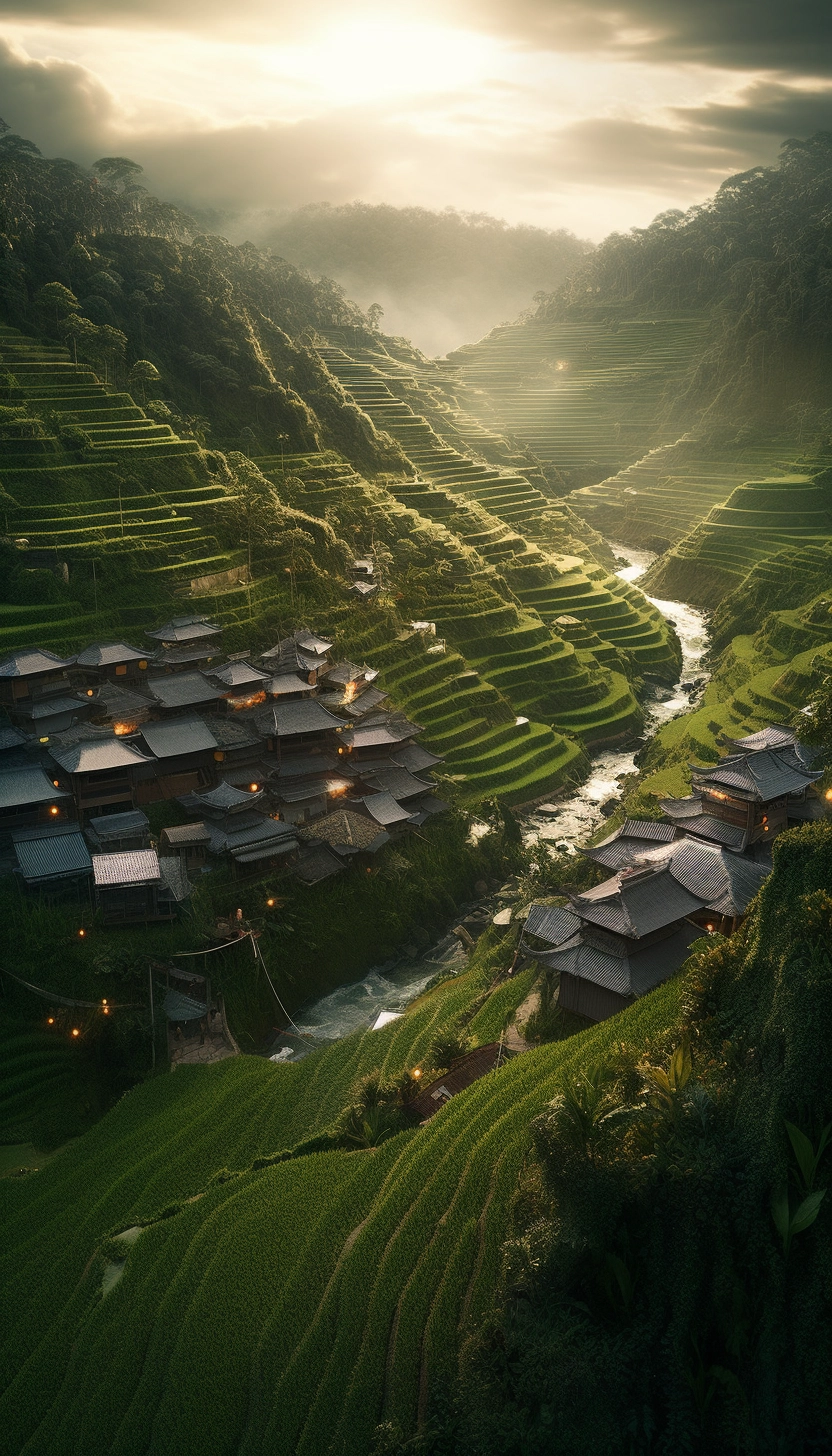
{"x":415,"y":758}
{"x":632,"y":974}
{"x":186,"y":834}
{"x":183,"y":689}
{"x":51,"y":855}
{"x":238,"y":731}
{"x":684,"y":808}
{"x":127,"y":867}
{"x":97,"y":755}
{"x":398,"y":782}
{"x":11,"y":738}
{"x":174,"y":879}
{"x":301,"y":765}
{"x":177,"y":736}
{"x":288,"y":682}
{"x":291,"y":719}
{"x":225,"y":797}
{"x":185,"y":629}
{"x":32,"y":662}
{"x":316,"y":865}
{"x":178,"y":656}
{"x":552,"y":923}
{"x":343,"y":673}
{"x":385,"y":810}
{"x":653,"y":829}
{"x":366,"y":702}
{"x":120,"y":702}
{"x":344,"y":829}
{"x":635,"y":903}
{"x":58,"y":706}
{"x":260,"y":841}
{"x":715,"y":831}
{"x":119,"y":826}
{"x":107,"y":654}
{"x":460,"y":1075}
{"x":774,"y":736}
{"x":764,"y":775}
{"x":239,"y":675}
{"x":363,"y":588}
{"x":725,"y":882}
{"x":310,"y":642}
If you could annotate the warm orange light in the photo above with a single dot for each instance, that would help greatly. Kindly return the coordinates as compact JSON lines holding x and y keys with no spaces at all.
{"x":103,"y":1000}
{"x":82,"y":933}
{"x":121,"y":728}
{"x":143,"y":664}
{"x":254,"y":788}
{"x":90,"y":693}
{"x":350,"y":691}
{"x":54,"y":809}
{"x":57,"y":783}
{"x":271,"y":904}
{"x":765,"y":818}
{"x":709,"y":927}
{"x":50,"y":1021}
{"x":829,"y":794}
{"x":75,"y":1031}
{"x":417,"y":1072}
{"x":106,"y":1010}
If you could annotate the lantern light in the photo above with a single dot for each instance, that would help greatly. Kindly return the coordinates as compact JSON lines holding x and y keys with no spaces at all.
{"x":90,"y":693}
{"x":75,"y":1031}
{"x":53,"y":809}
{"x":271,"y":904}
{"x":57,"y":783}
{"x":50,"y":1021}
{"x":254,"y":788}
{"x":417,"y":1072}
{"x":82,"y":933}
{"x":709,"y":928}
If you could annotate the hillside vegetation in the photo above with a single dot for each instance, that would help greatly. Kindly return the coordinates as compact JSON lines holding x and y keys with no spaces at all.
{"x":439,"y":277}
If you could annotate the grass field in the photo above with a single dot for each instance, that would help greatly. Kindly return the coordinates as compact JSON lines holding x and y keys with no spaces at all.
{"x":290,"y":1308}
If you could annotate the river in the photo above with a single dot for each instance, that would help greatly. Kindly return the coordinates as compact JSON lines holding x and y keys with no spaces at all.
{"x":567,"y":823}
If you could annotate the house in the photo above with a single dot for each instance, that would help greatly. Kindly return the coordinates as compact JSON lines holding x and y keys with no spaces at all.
{"x":135,"y":885}
{"x":121,"y":708}
{"x":30,"y":677}
{"x":241,"y":750}
{"x":632,"y":839}
{"x":242,"y":685}
{"x":299,"y":727}
{"x":289,"y":686}
{"x":183,"y":631}
{"x":316,"y":863}
{"x":183,"y":691}
{"x":28,"y":797}
{"x":102,"y":771}
{"x":363,"y":589}
{"x":461,"y":1074}
{"x":112,"y":662}
{"x":289,"y":657}
{"x":624,"y":937}
{"x":362,"y":568}
{"x":386,"y":733}
{"x":306,"y":785}
{"x":190,"y":842}
{"x":183,"y":751}
{"x":751,"y":796}
{"x":110,"y":832}
{"x":384,"y":810}
{"x":347,"y":832}
{"x":52,"y":856}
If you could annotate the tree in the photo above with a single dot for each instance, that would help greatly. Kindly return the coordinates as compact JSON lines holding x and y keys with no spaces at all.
{"x":143,"y":373}
{"x":375,"y":313}
{"x":54,"y":298}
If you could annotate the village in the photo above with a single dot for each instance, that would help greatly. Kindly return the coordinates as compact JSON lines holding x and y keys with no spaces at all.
{"x":286,"y":760}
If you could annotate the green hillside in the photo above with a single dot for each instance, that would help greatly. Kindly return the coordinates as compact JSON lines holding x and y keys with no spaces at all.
{"x":314,"y":1297}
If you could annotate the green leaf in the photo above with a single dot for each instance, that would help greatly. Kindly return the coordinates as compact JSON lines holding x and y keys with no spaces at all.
{"x":681,"y":1066}
{"x":780,"y":1212}
{"x":804,"y":1153}
{"x":808,"y":1211}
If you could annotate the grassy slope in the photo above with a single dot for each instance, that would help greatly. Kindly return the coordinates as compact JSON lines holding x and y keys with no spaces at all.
{"x":291,"y":1308}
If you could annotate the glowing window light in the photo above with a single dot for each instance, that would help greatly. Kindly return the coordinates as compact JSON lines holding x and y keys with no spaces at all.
{"x":53,"y":809}
{"x":253,"y":788}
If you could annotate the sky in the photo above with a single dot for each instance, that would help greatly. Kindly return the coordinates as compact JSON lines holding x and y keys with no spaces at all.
{"x":562,"y":113}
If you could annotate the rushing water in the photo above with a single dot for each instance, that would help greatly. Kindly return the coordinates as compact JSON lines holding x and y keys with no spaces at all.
{"x":567,"y":823}
{"x":571,"y":821}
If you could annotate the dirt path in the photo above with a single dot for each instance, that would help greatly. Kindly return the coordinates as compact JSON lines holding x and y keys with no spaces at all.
{"x":514,"y":1040}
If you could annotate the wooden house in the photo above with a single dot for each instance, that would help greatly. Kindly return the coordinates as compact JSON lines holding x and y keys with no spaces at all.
{"x":184,"y":692}
{"x":29,"y":797}
{"x":189,"y":842}
{"x":183,"y":631}
{"x":30,"y":676}
{"x":462,"y":1073}
{"x":242,"y":685}
{"x":183,"y":755}
{"x":119,"y":707}
{"x":102,"y":772}
{"x":292,"y":728}
{"x":110,"y":832}
{"x":135,"y":885}
{"x":111,"y":662}
{"x":624,"y":937}
{"x":633,"y":838}
{"x":750,"y":796}
{"x":350,"y":834}
{"x":52,"y":857}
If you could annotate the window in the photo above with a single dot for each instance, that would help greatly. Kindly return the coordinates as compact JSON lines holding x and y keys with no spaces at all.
{"x":121,"y":670}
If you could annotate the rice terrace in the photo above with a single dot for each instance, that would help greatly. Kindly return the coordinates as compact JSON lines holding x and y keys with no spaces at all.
{"x":415,"y":730}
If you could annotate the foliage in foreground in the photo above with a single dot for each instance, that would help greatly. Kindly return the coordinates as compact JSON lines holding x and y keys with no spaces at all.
{"x":668,"y":1285}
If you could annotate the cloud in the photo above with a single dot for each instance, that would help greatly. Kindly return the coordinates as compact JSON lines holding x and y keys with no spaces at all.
{"x":764,"y":109}
{"x":59,"y":104}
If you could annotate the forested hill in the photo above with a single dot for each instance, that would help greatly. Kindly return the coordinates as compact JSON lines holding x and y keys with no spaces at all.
{"x":441,"y":278}
{"x":756,"y":260}
{"x":93,"y":259}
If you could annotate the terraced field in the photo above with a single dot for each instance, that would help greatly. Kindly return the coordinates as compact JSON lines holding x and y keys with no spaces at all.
{"x":586,"y":396}
{"x":758,"y":519}
{"x":289,"y":1307}
{"x":664,"y":495}
{"x":134,"y":487}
